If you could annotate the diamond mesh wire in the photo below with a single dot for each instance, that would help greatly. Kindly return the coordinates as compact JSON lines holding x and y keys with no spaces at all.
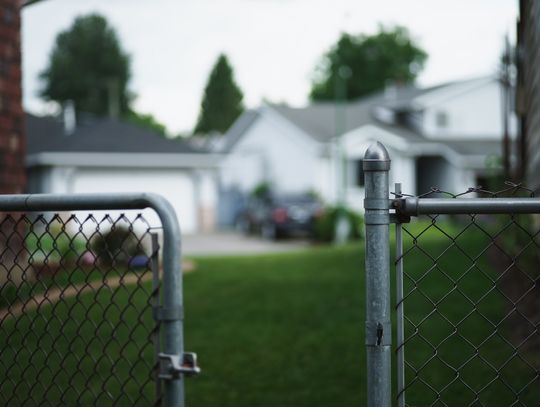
{"x":76,"y":320}
{"x":471,"y":304}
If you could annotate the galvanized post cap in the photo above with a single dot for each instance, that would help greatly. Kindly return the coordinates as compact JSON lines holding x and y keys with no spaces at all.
{"x":376,"y":152}
{"x":376,"y":158}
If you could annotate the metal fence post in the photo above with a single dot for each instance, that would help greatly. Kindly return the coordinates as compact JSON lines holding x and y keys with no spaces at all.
{"x":376,"y":165}
{"x":172,"y":300}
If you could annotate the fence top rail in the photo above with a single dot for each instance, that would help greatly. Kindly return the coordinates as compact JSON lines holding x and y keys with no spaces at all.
{"x":68,"y":202}
{"x":99,"y":201}
{"x":413,"y":206}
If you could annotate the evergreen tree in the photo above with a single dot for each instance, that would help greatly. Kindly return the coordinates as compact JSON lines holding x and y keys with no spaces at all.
{"x":370,"y":62}
{"x":222,"y":100}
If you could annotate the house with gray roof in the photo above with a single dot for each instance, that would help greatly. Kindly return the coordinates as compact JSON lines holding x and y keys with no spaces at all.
{"x":448,"y":136}
{"x":100,"y":155}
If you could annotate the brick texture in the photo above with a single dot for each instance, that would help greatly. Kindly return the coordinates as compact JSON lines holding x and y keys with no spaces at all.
{"x":12,"y":137}
{"x":12,"y":140}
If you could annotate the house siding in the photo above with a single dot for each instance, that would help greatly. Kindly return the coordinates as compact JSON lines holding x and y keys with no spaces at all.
{"x":484,"y":100}
{"x":273,"y":151}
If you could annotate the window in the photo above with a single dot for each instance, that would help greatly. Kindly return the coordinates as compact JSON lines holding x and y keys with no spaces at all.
{"x":357,"y":173}
{"x":441,"y":119}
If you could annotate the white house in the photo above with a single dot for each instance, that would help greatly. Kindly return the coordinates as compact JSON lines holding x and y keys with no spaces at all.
{"x":107,"y":155}
{"x":446,"y":136}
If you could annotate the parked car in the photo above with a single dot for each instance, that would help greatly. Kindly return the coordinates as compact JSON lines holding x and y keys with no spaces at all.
{"x":277,"y":216}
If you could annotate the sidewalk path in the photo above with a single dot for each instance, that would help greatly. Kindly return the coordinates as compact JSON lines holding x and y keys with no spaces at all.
{"x":54,"y":295}
{"x":234,"y":244}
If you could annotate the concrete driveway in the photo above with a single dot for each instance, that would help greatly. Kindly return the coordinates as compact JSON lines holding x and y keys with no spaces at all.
{"x":233,"y":244}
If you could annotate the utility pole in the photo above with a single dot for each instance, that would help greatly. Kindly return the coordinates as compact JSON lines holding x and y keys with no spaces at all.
{"x":342,"y":223}
{"x":505,"y":106}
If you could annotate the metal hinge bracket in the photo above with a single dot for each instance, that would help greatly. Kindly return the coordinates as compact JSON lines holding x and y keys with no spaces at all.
{"x":399,"y":218}
{"x":172,"y":366}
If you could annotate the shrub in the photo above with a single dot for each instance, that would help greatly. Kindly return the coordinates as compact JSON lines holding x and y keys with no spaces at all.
{"x":263,"y":190}
{"x":117,"y":246}
{"x":325,"y":225}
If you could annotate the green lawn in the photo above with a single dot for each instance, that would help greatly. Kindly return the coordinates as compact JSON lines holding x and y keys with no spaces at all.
{"x":276,"y":330}
{"x":288,"y":330}
{"x":462,"y":346}
{"x":91,"y":350}
{"x":281,"y":330}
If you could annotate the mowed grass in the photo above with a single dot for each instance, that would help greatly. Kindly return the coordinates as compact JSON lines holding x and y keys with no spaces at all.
{"x":460,"y":319}
{"x":281,"y":330}
{"x":90,"y":349}
{"x":288,"y":330}
{"x":275,"y":330}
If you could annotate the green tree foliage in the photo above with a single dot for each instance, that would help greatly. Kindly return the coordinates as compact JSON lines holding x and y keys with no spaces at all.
{"x":87,"y":65}
{"x":370,"y":62}
{"x":222,"y":100}
{"x":146,"y":120}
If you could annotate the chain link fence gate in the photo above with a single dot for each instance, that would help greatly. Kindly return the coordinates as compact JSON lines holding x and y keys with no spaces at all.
{"x":467,"y":295}
{"x":91,"y":302}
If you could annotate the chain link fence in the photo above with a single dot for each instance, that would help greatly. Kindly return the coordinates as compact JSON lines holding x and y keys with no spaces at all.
{"x":467,"y":304}
{"x":470,"y":303}
{"x":90,"y":302}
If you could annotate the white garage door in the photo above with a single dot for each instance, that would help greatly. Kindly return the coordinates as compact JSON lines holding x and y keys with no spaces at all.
{"x":174,"y":185}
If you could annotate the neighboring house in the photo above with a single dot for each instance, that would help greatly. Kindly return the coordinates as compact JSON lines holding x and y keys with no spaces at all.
{"x":445,"y":136}
{"x":528,"y":93}
{"x":108,"y":155}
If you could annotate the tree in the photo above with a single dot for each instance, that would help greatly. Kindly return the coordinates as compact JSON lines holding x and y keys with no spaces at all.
{"x":146,"y":120}
{"x":89,"y":67}
{"x":222,"y":100}
{"x":366,"y":63}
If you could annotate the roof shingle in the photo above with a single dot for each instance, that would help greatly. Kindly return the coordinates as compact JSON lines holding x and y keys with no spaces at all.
{"x":97,"y":135}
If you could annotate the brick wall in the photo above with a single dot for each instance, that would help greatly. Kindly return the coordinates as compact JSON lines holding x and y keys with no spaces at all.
{"x":12,"y":138}
{"x":12,"y":141}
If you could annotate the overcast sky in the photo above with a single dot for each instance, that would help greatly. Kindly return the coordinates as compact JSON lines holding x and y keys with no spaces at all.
{"x":273,"y":45}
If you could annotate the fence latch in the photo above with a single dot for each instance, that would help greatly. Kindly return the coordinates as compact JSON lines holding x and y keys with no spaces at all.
{"x":172,"y":366}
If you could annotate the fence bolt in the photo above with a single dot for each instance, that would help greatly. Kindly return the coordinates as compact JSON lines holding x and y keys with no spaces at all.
{"x":379,"y":333}
{"x":376,"y":166}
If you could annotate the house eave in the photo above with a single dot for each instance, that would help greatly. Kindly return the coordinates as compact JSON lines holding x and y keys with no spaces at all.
{"x":467,"y":161}
{"x":124,"y":160}
{"x":420,"y":148}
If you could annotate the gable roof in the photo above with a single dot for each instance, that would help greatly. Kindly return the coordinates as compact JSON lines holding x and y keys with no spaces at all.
{"x":97,"y":135}
{"x":319,"y":120}
{"x":238,"y":128}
